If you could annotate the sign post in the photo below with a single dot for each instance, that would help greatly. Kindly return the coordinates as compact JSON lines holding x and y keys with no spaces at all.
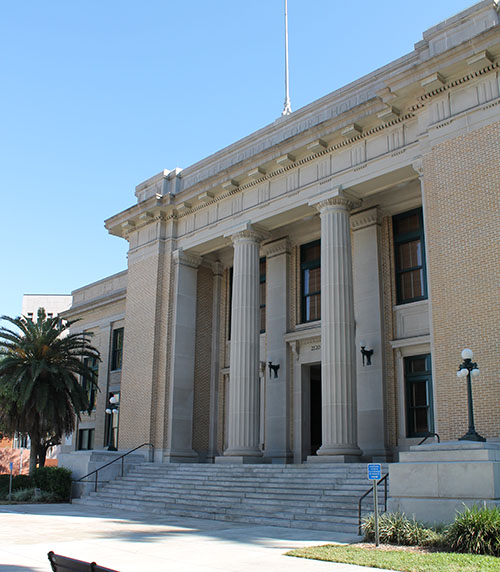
{"x":11,"y":466}
{"x":375,"y":474}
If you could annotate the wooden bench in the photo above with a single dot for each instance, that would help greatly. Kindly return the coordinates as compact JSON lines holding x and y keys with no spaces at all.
{"x":64,"y":564}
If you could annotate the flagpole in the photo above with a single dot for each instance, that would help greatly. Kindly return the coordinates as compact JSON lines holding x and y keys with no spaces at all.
{"x":287,"y":108}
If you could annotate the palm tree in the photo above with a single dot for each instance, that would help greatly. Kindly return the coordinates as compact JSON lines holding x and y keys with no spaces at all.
{"x":40,"y":371}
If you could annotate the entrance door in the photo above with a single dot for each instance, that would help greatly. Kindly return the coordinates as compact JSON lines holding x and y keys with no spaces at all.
{"x":315,"y":408}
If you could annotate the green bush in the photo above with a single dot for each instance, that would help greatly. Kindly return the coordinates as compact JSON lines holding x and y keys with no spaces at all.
{"x":33,"y":495}
{"x":18,"y":482}
{"x":54,"y":480}
{"x":476,"y":530}
{"x":396,"y":528}
{"x":23,"y":495}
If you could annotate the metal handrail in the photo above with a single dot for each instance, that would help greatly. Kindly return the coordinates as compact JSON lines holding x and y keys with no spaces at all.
{"x":370,"y":490}
{"x":121,"y":457}
{"x":429,"y":435}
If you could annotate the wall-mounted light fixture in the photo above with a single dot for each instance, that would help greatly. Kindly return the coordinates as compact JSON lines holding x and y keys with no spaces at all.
{"x":367,"y":354}
{"x":273,"y":368}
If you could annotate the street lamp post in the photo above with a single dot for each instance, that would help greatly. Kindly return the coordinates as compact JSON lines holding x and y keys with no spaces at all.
{"x":112,"y":410}
{"x":469,"y":369}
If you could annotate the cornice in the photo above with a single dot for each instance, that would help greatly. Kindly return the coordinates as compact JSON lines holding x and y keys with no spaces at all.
{"x":96,"y":303}
{"x":300,"y":162}
{"x":452,"y":84}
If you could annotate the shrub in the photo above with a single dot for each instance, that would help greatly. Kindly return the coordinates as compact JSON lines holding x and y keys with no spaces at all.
{"x":33,"y":495}
{"x":23,"y":495}
{"x":18,"y":482}
{"x":54,"y":480}
{"x":396,"y":528}
{"x":476,"y":530}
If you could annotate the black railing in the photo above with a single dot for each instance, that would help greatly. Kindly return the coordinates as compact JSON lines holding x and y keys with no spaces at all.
{"x":430,"y":435}
{"x":382,"y":480}
{"x":121,"y":457}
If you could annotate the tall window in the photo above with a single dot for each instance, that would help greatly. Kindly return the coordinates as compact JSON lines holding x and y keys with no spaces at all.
{"x":88,"y":386}
{"x":117,"y":349}
{"x":310,"y":270}
{"x":230,"y":304}
{"x":411,"y":281}
{"x":418,"y":381}
{"x":85,"y":439}
{"x":262,"y":288}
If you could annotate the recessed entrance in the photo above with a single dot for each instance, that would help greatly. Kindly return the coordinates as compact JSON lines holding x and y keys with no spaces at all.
{"x":315,"y":408}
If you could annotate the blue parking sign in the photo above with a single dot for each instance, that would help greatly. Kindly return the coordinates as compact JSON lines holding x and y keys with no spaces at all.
{"x":374,"y":471}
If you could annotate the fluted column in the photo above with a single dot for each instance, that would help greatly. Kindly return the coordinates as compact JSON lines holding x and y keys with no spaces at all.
{"x":243,"y":418}
{"x":338,"y":361}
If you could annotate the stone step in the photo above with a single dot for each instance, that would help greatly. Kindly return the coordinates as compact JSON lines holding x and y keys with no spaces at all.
{"x":307,"y":490}
{"x":353,"y":482}
{"x":333,"y":525}
{"x":299,"y":505}
{"x":316,"y":498}
{"x":232,"y":512}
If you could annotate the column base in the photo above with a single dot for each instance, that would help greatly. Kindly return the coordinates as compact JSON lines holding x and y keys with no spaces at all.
{"x":278,"y":457}
{"x":180,"y":457}
{"x":339,"y":450}
{"x":240,"y":460}
{"x":333,"y":459}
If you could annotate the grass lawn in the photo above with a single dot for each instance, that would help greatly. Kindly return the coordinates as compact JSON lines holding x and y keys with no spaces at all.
{"x":390,"y":558}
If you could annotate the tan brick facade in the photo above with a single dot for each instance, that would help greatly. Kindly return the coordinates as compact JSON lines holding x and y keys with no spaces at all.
{"x":462,"y":197}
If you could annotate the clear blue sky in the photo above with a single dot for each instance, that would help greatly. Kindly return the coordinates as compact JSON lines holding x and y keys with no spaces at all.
{"x":99,"y":95}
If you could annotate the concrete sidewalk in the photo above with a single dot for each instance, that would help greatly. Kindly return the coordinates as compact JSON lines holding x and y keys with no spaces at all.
{"x":134,"y":542}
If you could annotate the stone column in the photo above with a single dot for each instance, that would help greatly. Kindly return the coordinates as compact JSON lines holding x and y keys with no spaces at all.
{"x":243,"y":418}
{"x":181,"y":386}
{"x":215,"y":363}
{"x":277,"y":430}
{"x":338,"y":358}
{"x":369,"y":327}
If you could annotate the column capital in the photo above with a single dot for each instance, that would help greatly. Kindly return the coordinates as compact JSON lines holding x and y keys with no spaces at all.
{"x":418,"y":167}
{"x":186,"y":258}
{"x":217,"y":268}
{"x":334,"y":200}
{"x":276,"y":248}
{"x":247,"y":232}
{"x":366,"y":218}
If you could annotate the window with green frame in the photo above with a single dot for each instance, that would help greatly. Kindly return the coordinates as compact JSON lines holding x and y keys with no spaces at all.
{"x":88,"y":386}
{"x":262,"y":293}
{"x":409,"y":253}
{"x":310,"y":281}
{"x":418,"y":383}
{"x":117,"y":349}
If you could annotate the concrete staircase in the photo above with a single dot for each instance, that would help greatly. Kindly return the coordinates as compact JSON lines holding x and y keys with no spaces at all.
{"x":315,"y":496}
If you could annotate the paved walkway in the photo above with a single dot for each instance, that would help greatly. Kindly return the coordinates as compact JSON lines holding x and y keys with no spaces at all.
{"x":134,"y":542}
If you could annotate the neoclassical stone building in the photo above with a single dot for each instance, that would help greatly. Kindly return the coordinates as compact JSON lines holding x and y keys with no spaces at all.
{"x":367,"y":220}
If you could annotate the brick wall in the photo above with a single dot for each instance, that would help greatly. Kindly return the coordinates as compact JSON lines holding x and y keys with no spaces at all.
{"x":389,"y":289}
{"x":201,"y":412}
{"x":462,"y":195}
{"x":138,"y":356}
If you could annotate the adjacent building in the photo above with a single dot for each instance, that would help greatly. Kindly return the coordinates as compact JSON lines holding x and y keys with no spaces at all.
{"x":304,"y":294}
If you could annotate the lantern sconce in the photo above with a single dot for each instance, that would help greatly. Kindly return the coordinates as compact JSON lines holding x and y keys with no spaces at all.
{"x":273,"y":368}
{"x":367,"y":354}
